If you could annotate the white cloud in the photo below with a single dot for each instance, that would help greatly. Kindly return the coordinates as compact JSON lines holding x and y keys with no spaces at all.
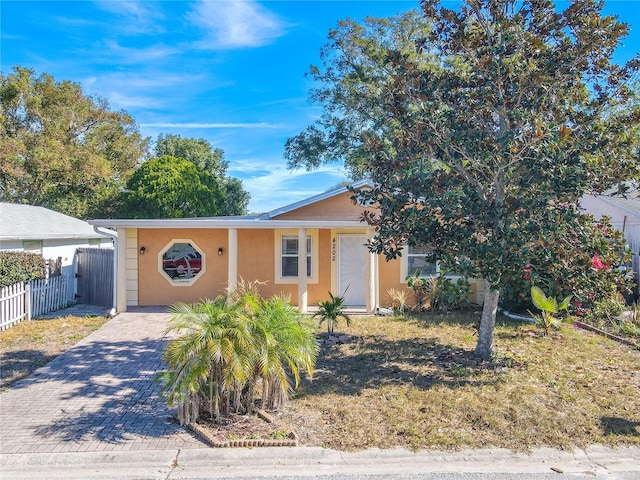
{"x":275,"y":186}
{"x":140,"y":17}
{"x":235,"y":24}
{"x":130,"y":90}
{"x":138,"y":55}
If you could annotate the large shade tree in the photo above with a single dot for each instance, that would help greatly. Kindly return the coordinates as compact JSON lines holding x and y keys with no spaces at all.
{"x":61,"y":148}
{"x":200,"y":152}
{"x":492,"y":148}
{"x":493,"y":120}
{"x":169,"y":187}
{"x":197,"y":150}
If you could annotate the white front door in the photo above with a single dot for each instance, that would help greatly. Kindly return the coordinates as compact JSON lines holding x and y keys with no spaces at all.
{"x":352,"y":266}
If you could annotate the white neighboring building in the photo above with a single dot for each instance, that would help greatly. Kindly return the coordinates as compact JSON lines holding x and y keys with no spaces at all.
{"x":27,"y":228}
{"x":625,"y":216}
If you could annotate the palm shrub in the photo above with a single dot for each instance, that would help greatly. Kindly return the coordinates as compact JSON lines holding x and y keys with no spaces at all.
{"x":226,"y":347}
{"x":424,"y":290}
{"x":398,"y":300}
{"x":209,"y":359}
{"x":287,"y":346}
{"x":549,"y":307}
{"x":439,"y":293}
{"x":330,"y":311}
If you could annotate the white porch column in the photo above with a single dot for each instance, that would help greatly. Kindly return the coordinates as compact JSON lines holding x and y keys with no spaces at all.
{"x":232,"y":269}
{"x":302,"y":270}
{"x":371,"y":275}
{"x":121,"y":277}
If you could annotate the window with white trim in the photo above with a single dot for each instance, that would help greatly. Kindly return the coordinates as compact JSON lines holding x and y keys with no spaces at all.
{"x":417,"y":261}
{"x":289,"y":256}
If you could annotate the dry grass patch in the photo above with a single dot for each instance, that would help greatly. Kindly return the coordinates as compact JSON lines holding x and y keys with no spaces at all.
{"x":30,"y":345}
{"x":414,"y":383}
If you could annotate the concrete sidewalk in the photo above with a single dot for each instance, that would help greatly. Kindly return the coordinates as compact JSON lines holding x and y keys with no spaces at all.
{"x":308,"y":462}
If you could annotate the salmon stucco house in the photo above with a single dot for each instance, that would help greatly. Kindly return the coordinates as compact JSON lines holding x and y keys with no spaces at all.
{"x":164,"y":261}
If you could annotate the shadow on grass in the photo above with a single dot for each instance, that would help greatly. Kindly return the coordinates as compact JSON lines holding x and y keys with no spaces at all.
{"x":465,"y":318}
{"x":105,"y":391}
{"x":20,"y":364}
{"x":619,"y":426}
{"x":374,"y":362}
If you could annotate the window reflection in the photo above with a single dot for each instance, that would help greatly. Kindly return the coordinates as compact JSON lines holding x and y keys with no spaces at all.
{"x":181,"y":262}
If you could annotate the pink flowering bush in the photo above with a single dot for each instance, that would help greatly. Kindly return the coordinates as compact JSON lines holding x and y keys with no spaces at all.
{"x":578,"y":259}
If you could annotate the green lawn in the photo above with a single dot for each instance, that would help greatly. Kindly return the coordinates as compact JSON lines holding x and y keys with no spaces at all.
{"x":413,"y":382}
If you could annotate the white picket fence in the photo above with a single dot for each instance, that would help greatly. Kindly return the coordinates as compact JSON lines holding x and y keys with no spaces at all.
{"x":14,"y":304}
{"x":23,"y":301}
{"x":50,"y":294}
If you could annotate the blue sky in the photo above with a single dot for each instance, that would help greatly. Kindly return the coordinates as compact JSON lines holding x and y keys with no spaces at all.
{"x":231,"y":72}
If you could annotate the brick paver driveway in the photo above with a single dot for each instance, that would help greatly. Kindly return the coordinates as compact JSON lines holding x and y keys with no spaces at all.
{"x":98,"y":396}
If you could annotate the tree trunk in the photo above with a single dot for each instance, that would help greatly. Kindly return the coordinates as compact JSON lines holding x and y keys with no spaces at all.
{"x":484,"y":347}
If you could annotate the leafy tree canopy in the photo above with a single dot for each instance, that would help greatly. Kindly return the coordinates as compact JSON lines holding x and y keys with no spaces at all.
{"x":236,"y":198}
{"x":169,"y":187}
{"x":62,"y":149}
{"x":198,"y":151}
{"x":203,"y":155}
{"x":352,"y":83}
{"x":489,"y":148}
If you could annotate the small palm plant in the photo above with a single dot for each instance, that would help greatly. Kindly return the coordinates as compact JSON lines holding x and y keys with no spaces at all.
{"x":225,"y":347}
{"x":208,"y":360}
{"x":398,"y":299}
{"x":549,"y":307}
{"x":286,"y":346}
{"x":330,"y":310}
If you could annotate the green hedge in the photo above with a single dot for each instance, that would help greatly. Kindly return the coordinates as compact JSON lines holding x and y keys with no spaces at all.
{"x":18,"y":267}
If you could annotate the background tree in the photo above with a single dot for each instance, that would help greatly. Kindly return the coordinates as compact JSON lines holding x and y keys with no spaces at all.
{"x":198,"y":151}
{"x":352,"y":82}
{"x":202,"y":154}
{"x":481,"y":128}
{"x":169,"y":187}
{"x":60,"y":148}
{"x":235,"y":199}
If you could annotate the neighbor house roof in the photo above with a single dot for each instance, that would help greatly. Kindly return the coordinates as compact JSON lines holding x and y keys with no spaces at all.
{"x":631,"y":204}
{"x":28,"y":222}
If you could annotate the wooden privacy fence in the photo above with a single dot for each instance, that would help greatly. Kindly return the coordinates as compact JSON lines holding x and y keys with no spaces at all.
{"x":14,"y":304}
{"x":95,"y":276}
{"x":26,"y":300}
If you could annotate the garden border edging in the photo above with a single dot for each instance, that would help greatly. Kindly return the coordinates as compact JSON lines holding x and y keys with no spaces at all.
{"x":292,"y":441}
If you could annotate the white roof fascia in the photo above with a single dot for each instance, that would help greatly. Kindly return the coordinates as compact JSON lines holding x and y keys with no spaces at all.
{"x":40,"y":236}
{"x":317,"y":198}
{"x":223,"y":224}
